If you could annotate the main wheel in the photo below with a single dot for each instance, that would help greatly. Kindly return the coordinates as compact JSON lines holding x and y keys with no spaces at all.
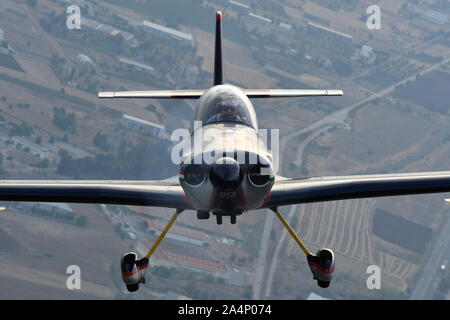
{"x":323,"y":284}
{"x":132,"y":287}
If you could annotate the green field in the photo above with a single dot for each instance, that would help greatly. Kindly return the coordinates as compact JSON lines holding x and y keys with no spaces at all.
{"x":9,"y":62}
{"x":400,"y":231}
{"x":430,"y":91}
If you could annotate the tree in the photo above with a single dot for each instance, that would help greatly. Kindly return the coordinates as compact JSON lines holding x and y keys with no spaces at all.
{"x":44,"y":163}
{"x":64,"y":121}
{"x":101,"y":141}
{"x":22,"y":130}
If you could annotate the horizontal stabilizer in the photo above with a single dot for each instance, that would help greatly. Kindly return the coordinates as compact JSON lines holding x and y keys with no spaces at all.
{"x":286,"y":93}
{"x":195,"y":94}
{"x":156,"y":94}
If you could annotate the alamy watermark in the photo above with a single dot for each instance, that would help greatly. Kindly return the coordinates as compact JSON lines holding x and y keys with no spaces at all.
{"x":374,"y":280}
{"x":73,"y":19}
{"x":74,"y":280}
{"x":373,"y":22}
{"x":228,"y":144}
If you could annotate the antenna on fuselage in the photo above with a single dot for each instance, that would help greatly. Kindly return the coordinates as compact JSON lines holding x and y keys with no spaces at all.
{"x":218,"y":64}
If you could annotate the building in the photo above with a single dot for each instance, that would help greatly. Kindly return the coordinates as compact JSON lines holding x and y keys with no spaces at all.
{"x":177,"y":233}
{"x":31,"y":147}
{"x":313,"y":296}
{"x":107,"y":30}
{"x":435,"y":17}
{"x":175,"y":260}
{"x":285,"y":27}
{"x":184,"y":39}
{"x":57,"y":211}
{"x":238,"y":6}
{"x":85,"y":60}
{"x":144,"y":126}
{"x":190,"y":72}
{"x":259,"y":19}
{"x":337,"y":41}
{"x":136,"y":65}
{"x":314,"y":27}
{"x":367,"y":55}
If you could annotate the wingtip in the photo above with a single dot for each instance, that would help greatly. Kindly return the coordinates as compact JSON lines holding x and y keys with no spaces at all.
{"x":219,"y":16}
{"x":106,"y":94}
{"x":335,"y":92}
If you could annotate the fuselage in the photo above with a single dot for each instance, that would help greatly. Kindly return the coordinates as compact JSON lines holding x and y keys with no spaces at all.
{"x":227,"y":168}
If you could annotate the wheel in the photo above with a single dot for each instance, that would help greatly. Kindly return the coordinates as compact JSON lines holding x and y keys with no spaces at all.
{"x":323,"y":284}
{"x":132,"y":287}
{"x":219,"y":219}
{"x":202,"y":215}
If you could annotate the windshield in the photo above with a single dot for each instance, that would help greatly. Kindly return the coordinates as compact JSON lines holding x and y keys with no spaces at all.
{"x":225,"y":104}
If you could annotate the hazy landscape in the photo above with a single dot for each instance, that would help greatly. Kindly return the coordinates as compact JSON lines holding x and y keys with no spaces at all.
{"x":394,"y":117}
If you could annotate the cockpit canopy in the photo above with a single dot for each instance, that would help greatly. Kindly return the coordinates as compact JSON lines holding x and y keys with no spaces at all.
{"x":225,"y":103}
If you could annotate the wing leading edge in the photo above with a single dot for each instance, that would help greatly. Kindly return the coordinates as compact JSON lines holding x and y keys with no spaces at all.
{"x":161,"y":193}
{"x":196,"y":94}
{"x":317,"y":189}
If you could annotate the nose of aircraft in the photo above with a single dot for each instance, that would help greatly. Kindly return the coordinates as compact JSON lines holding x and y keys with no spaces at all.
{"x":226,"y":174}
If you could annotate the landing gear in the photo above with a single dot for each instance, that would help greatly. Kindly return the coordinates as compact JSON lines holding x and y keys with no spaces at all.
{"x":321,"y":265}
{"x":232,"y":214}
{"x":323,"y":284}
{"x":134,"y":269}
{"x":130,"y":272}
{"x":202,"y":215}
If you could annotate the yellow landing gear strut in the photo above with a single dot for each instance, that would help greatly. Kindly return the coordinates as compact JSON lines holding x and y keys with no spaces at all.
{"x":163,"y":233}
{"x":134,"y":270}
{"x":321,"y":265}
{"x":291,"y":232}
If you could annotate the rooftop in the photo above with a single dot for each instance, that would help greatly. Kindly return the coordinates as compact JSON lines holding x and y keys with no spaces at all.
{"x":136,"y":64}
{"x":330,"y":30}
{"x":196,"y":263}
{"x":264,"y":19}
{"x":170,"y":31}
{"x":242,"y":5}
{"x":145,"y":122}
{"x":104,"y":28}
{"x":435,"y":17}
{"x":313,"y":296}
{"x":187,"y":232}
{"x":29,"y":144}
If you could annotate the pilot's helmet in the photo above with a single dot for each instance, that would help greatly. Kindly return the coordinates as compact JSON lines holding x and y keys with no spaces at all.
{"x":229,"y":105}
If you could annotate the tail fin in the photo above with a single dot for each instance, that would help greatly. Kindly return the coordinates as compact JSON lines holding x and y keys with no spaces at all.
{"x":218,"y":65}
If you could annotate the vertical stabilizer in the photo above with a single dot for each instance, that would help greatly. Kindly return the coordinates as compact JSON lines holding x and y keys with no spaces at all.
{"x":218,"y":65}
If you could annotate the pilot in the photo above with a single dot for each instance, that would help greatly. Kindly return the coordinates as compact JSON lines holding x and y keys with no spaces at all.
{"x":229,"y":111}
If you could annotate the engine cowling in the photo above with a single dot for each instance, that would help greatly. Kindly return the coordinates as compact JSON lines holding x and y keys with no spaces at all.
{"x":133,"y":270}
{"x":322,"y":266}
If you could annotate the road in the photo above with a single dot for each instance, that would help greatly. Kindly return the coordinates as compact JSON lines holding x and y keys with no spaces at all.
{"x":429,"y":276}
{"x":327,"y":122}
